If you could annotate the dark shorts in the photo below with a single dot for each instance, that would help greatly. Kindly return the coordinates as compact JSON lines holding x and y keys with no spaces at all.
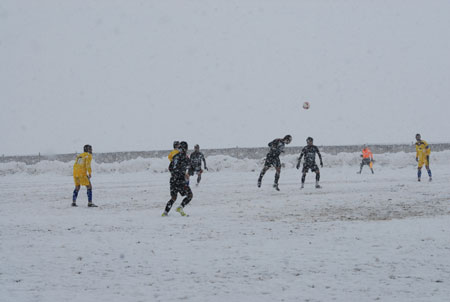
{"x":366,"y":161}
{"x":193,"y":170}
{"x":177,"y":186}
{"x":310,"y":166}
{"x":272,"y":161}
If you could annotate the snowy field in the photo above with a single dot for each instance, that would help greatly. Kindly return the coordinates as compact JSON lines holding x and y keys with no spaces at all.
{"x":362,"y":237}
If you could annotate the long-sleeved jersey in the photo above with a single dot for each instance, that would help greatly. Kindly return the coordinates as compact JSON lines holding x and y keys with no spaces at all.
{"x":276,"y":147}
{"x":309,"y":152}
{"x":197,"y":158}
{"x":179,"y":165}
{"x":422,"y":149}
{"x":82,"y":166}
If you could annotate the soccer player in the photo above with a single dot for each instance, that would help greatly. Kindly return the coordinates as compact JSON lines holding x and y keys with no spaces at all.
{"x":367,"y":159}
{"x":179,"y":180}
{"x":273,"y":159}
{"x":82,"y":173}
{"x":422,"y":156}
{"x":176,"y":145}
{"x":309,"y":152}
{"x":196,"y":163}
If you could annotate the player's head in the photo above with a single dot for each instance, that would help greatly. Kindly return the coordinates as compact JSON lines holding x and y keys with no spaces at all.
{"x":287,"y":139}
{"x":87,"y":148}
{"x":176,"y":144}
{"x":418,"y":137}
{"x":183,"y":146}
{"x":309,"y":140}
{"x":364,"y":146}
{"x":196,"y":147}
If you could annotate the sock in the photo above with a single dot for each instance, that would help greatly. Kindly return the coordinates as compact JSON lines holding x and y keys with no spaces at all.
{"x":75,"y":195}
{"x":429,"y":173}
{"x":317,"y":177}
{"x":169,"y":205}
{"x":185,"y":201}
{"x":277,"y":177}
{"x":89,"y":194}
{"x":419,"y":173}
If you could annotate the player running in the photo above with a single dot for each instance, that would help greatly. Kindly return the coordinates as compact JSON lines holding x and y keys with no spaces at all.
{"x":82,"y":173}
{"x":176,"y":145}
{"x":309,"y":152}
{"x":273,"y":159}
{"x":367,"y":159}
{"x":196,"y":163}
{"x":179,"y":180}
{"x":422,"y":156}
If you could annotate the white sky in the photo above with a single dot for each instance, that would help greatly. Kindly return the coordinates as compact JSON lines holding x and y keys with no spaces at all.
{"x":136,"y":75}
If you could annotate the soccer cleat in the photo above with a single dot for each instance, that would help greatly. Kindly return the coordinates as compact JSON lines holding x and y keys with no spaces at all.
{"x":276,"y":187}
{"x":91,"y":205}
{"x":318,"y":186}
{"x":180,"y":210}
{"x":430,"y":179}
{"x":164,"y":214}
{"x":302,"y":186}
{"x":74,"y":204}
{"x":418,"y":179}
{"x":359,"y":172}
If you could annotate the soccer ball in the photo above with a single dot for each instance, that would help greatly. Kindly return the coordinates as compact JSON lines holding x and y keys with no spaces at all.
{"x":306,"y":105}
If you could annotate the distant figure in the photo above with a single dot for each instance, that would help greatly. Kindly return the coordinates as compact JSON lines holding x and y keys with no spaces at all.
{"x":367,"y":159}
{"x":309,"y":152}
{"x":179,"y":180}
{"x":82,"y":173}
{"x":196,"y":163}
{"x":422,"y":157}
{"x":176,"y":145}
{"x":273,"y":159}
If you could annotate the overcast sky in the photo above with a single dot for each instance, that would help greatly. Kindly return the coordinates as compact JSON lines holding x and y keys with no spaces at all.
{"x":136,"y":75}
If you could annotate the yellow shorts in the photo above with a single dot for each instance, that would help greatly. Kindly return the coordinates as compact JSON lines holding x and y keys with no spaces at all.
{"x":423,"y":161}
{"x":81,"y":180}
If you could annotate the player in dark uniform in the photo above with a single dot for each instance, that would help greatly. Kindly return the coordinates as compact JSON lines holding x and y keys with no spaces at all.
{"x":196,"y":163}
{"x":309,"y":152}
{"x":179,"y":180}
{"x":273,"y":159}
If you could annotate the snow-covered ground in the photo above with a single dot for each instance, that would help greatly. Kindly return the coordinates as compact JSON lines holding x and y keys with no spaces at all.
{"x":360,"y":238}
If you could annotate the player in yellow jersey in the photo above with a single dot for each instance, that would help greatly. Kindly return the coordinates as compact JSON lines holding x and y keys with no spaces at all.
{"x":175,"y":151}
{"x":422,"y":156}
{"x":82,"y":173}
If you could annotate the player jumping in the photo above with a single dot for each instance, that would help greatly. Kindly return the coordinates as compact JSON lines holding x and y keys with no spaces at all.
{"x":273,"y":159}
{"x":82,"y":173}
{"x":422,"y":156}
{"x":196,"y":163}
{"x":179,"y":180}
{"x":309,"y":152}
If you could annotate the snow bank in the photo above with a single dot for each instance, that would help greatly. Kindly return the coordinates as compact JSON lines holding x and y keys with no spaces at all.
{"x":216,"y":163}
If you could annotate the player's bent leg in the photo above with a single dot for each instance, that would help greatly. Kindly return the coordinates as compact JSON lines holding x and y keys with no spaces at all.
{"x":261,"y":175}
{"x":169,"y":204}
{"x":187,"y":199}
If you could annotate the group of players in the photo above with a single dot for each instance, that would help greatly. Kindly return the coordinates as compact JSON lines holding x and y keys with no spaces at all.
{"x":182,"y":166}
